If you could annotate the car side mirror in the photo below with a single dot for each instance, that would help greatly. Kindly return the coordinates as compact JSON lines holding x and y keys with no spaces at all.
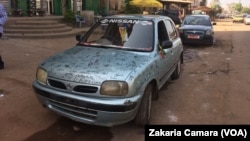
{"x":167,"y":44}
{"x":79,"y":37}
{"x":214,"y":23}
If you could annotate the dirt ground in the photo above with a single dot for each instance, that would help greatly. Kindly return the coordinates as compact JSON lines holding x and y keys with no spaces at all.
{"x":213,"y":89}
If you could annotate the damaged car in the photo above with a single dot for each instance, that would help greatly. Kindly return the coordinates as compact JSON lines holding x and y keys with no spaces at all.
{"x":113,"y":73}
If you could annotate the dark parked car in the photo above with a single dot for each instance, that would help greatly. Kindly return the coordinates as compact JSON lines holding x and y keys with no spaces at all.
{"x":173,"y":14}
{"x":197,"y":29}
{"x":115,"y":70}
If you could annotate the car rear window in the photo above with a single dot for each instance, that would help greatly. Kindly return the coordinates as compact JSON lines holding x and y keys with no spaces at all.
{"x":195,"y":20}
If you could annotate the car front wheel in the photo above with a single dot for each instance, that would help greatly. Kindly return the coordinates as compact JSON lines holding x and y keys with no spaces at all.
{"x":176,"y":74}
{"x":144,"y":113}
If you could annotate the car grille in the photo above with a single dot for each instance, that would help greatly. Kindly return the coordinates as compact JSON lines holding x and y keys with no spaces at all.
{"x":200,"y":33}
{"x":73,"y":110}
{"x":75,"y":105}
{"x":57,"y":84}
{"x":85,"y":89}
{"x":77,"y":88}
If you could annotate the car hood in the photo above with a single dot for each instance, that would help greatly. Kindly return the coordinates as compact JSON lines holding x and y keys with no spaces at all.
{"x":93,"y":65}
{"x":195,"y":27}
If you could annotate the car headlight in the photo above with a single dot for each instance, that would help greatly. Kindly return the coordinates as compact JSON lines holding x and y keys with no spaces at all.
{"x":114,"y":88}
{"x":209,"y":32}
{"x":41,"y":76}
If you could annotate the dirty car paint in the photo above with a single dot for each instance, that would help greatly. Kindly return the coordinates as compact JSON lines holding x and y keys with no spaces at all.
{"x":110,"y":75}
{"x":92,"y":66}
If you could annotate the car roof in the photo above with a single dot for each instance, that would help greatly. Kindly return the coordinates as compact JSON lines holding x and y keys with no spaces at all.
{"x":198,"y":15}
{"x":136,"y":16}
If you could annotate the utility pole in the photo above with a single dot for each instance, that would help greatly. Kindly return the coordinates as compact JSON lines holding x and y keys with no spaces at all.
{"x":75,"y":5}
{"x":107,"y":6}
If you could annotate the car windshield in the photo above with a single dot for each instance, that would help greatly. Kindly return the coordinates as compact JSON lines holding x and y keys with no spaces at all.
{"x":195,"y":20}
{"x":127,"y":34}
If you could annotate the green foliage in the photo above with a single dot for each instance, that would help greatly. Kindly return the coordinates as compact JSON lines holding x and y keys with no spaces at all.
{"x":216,"y":9}
{"x":130,"y":9}
{"x":238,"y":7}
{"x":69,"y":17}
{"x":246,"y":10}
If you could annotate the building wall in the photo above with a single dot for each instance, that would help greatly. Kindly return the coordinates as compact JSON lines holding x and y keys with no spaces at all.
{"x":196,"y":3}
{"x":112,"y":6}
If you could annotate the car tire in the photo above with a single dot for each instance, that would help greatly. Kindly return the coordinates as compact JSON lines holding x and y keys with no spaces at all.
{"x":155,"y":94}
{"x":211,"y":43}
{"x":144,"y":112}
{"x":176,"y":74}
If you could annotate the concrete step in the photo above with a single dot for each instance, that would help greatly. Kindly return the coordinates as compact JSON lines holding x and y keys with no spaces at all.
{"x":55,"y":18}
{"x":38,"y":30}
{"x":53,"y":26}
{"x":71,"y":33}
{"x":31,"y":22}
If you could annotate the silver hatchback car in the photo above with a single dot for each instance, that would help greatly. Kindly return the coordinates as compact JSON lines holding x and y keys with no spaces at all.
{"x":114,"y":71}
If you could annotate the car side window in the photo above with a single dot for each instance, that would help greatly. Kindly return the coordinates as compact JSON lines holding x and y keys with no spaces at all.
{"x":162,"y":32}
{"x":171,"y":30}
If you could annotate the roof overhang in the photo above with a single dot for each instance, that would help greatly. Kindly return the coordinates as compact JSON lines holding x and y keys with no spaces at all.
{"x":204,"y":8}
{"x":176,"y":1}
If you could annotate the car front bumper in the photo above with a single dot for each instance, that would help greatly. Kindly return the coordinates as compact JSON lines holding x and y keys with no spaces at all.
{"x":238,"y":20}
{"x":90,"y":110}
{"x":203,"y":40}
{"x":247,"y":22}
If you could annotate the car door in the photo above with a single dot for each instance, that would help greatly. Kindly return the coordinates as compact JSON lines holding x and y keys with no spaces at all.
{"x":176,"y":50}
{"x":164,"y":54}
